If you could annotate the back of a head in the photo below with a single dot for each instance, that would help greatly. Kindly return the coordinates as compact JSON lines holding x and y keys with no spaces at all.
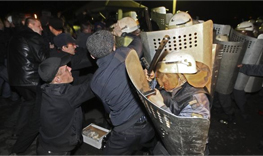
{"x":56,"y":23}
{"x":100,"y":43}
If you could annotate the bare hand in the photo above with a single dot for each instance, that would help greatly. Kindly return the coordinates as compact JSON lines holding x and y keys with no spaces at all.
{"x":150,"y":76}
{"x":239,"y":65}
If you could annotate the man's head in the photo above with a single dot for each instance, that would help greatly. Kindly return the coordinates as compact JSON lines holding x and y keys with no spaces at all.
{"x":100,"y":43}
{"x":55,"y":70}
{"x":65,"y":42}
{"x":177,"y":68}
{"x":56,"y":25}
{"x":34,"y":24}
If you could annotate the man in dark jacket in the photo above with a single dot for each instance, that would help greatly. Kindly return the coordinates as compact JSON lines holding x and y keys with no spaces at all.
{"x":61,"y":114}
{"x":80,"y":60}
{"x":27,"y":50}
{"x":110,"y":83}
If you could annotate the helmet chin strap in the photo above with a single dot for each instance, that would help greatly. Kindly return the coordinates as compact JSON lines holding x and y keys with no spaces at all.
{"x":182,"y":80}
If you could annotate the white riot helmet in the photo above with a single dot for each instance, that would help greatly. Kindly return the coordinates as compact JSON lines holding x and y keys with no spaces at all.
{"x":177,"y":62}
{"x":128,"y":25}
{"x":222,"y":37}
{"x":180,"y":19}
{"x":247,"y":26}
{"x":160,"y":10}
{"x":131,"y":14}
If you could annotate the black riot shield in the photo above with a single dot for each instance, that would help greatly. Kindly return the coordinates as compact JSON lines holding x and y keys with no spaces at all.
{"x":180,"y":135}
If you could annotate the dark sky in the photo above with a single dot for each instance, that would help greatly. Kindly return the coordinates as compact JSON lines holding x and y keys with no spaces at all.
{"x":221,"y":12}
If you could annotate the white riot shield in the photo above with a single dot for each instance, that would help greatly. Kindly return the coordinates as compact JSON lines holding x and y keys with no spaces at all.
{"x":161,"y":19}
{"x":222,"y":29}
{"x":232,"y":54}
{"x":196,"y":40}
{"x":253,"y":55}
{"x":180,"y":135}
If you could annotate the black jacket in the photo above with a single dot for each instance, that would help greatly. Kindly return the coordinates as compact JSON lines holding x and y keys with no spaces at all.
{"x":61,"y":115}
{"x":252,"y":69}
{"x":27,"y":50}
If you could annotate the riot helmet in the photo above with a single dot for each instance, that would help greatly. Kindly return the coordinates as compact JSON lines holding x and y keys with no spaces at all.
{"x":177,"y":68}
{"x":246,"y":28}
{"x":131,"y":14}
{"x":222,"y":37}
{"x":169,"y":70}
{"x":127,"y":25}
{"x":180,"y":19}
{"x":160,"y":10}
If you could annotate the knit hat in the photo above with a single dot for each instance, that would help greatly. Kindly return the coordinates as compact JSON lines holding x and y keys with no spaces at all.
{"x":56,"y":23}
{"x":63,"y":39}
{"x":100,"y":43}
{"x":48,"y":69}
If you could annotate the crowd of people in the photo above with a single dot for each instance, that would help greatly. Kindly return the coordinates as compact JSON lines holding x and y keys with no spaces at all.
{"x":42,"y":65}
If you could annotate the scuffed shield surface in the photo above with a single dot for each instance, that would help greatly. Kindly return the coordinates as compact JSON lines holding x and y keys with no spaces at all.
{"x":180,"y":135}
{"x":253,"y":55}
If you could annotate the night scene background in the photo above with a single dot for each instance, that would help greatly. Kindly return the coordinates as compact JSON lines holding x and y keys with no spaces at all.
{"x":221,"y":12}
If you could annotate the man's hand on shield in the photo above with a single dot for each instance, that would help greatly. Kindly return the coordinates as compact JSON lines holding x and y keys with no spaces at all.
{"x":150,"y":76}
{"x":156,"y":99}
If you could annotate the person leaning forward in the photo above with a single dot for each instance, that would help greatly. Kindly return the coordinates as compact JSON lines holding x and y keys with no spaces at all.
{"x":131,"y":130}
{"x":60,"y":114}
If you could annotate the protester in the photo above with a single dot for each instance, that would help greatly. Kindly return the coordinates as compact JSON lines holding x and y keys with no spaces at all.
{"x":131,"y":129}
{"x":60,"y":114}
{"x":27,"y":49}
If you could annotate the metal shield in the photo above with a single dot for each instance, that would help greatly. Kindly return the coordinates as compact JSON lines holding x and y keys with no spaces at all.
{"x":253,"y":55}
{"x":232,"y":54}
{"x":196,"y":40}
{"x":222,"y":29}
{"x":180,"y":135}
{"x":161,"y":19}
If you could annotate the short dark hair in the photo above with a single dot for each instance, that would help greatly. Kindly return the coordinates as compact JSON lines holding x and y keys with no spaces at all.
{"x":100,"y":43}
{"x":29,"y":20}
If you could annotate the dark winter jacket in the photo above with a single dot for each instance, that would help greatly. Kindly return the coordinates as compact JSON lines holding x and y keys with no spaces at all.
{"x":27,"y":50}
{"x":252,"y":70}
{"x":61,"y":115}
{"x":111,"y":84}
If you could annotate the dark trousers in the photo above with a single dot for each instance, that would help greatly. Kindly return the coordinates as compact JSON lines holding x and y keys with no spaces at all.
{"x":241,"y":99}
{"x":42,"y":151}
{"x":127,"y":142}
{"x":28,"y":119}
{"x":226,"y":103}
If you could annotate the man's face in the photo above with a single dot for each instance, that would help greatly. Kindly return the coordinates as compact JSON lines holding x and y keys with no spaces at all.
{"x":65,"y":75}
{"x":36,"y":27}
{"x":70,"y":48}
{"x":168,"y":81}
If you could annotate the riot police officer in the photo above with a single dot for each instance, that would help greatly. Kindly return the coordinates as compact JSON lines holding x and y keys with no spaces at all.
{"x":182,"y":81}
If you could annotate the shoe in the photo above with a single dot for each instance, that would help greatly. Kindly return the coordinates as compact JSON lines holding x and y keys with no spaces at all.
{"x":231,"y":119}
